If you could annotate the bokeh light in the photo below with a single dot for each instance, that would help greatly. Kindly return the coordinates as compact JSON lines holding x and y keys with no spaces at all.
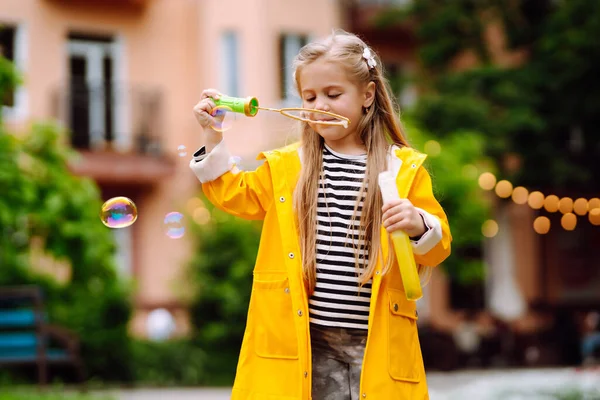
{"x":118,"y":212}
{"x":489,"y":228}
{"x":520,"y":195}
{"x":569,"y":221}
{"x":536,"y":200}
{"x":487,"y":181}
{"x":181,"y":150}
{"x":470,"y":171}
{"x":504,"y":189}
{"x":551,"y":203}
{"x":541,"y":225}
{"x":580,"y":206}
{"x":593,"y":203}
{"x":565,"y":205}
{"x":193,"y":203}
{"x":433,"y":148}
{"x":594,"y":216}
{"x":174,"y":225}
{"x":201,"y":216}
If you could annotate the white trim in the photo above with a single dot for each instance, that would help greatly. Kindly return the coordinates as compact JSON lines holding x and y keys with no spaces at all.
{"x":122,"y":110}
{"x":431,"y":237}
{"x":214,"y":164}
{"x":123,"y":255}
{"x":20,"y":110}
{"x":229,"y":71}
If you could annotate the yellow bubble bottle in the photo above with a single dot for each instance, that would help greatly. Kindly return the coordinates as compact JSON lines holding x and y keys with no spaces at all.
{"x":401,"y":243}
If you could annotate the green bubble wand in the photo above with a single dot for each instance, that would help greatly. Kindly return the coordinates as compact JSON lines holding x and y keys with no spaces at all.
{"x":249,"y":107}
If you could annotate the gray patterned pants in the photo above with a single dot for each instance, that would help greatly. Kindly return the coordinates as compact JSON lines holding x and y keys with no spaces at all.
{"x":337,"y":355}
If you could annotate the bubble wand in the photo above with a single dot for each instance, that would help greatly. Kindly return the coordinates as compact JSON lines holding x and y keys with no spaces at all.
{"x":401,"y":243}
{"x":249,"y":107}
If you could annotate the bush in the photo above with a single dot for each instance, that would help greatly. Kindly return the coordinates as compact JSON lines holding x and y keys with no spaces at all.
{"x":48,"y":395}
{"x":221,"y":271}
{"x":172,"y":363}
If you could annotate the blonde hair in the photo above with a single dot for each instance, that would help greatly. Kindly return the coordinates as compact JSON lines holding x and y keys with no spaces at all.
{"x":378,"y":128}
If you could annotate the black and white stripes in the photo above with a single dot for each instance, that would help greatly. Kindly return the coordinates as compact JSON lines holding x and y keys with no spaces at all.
{"x":337,"y":300}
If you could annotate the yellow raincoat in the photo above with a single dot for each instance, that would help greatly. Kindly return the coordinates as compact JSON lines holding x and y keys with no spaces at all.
{"x":275,"y":358}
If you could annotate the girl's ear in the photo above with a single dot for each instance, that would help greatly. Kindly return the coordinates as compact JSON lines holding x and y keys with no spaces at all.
{"x":369,"y":94}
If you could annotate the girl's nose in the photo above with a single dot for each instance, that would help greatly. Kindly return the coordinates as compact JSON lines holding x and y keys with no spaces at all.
{"x":322,"y":105}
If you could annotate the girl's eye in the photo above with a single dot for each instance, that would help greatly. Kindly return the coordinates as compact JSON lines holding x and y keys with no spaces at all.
{"x":333,"y":96}
{"x":309,"y":99}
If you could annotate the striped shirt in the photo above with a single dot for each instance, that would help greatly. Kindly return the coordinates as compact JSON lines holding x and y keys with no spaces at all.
{"x":337,"y":300}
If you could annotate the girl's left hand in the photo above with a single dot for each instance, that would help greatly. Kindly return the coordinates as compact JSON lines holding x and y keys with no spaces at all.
{"x":401,"y":214}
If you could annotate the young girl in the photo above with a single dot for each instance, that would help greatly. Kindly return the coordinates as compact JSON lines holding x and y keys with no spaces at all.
{"x":328,"y":317}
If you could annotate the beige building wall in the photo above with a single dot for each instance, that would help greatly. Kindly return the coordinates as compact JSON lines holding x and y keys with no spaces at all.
{"x":175,"y":46}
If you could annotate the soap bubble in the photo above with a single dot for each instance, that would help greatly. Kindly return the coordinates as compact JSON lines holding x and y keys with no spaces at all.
{"x":174,"y":225}
{"x":118,"y":212}
{"x":224,"y":118}
{"x":181,"y":150}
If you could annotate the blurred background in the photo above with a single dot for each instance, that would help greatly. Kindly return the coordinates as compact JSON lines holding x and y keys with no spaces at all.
{"x":97,"y":97}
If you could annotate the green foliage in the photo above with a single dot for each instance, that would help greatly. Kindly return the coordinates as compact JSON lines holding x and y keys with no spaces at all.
{"x":221,"y":269}
{"x":40,"y":198}
{"x":49,"y":395}
{"x":9,"y":78}
{"x":172,"y":363}
{"x":454,"y":173}
{"x":544,"y":110}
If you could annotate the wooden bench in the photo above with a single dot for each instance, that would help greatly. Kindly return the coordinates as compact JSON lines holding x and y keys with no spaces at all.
{"x":26,"y":337}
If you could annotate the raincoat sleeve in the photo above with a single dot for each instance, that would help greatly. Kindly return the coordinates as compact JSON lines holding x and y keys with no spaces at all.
{"x":433,"y":246}
{"x":246,"y":194}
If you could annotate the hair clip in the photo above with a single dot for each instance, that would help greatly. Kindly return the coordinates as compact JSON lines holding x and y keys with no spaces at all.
{"x":367,"y":55}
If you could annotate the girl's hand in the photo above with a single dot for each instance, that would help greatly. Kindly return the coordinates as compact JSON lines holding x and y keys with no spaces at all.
{"x":401,"y":214}
{"x":204,"y":108}
{"x":203,"y":112}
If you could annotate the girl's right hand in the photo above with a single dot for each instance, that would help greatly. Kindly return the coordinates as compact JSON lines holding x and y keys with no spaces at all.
{"x":204,"y":108}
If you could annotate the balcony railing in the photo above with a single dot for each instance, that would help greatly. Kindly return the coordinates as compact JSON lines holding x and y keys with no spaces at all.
{"x":104,"y":3}
{"x":383,"y":2}
{"x":108,"y":116}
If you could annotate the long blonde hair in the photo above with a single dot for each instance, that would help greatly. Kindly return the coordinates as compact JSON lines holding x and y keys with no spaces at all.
{"x":378,"y":128}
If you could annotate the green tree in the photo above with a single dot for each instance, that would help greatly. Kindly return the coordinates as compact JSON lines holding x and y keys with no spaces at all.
{"x":454,"y":163}
{"x":40,"y":198}
{"x":544,"y":110}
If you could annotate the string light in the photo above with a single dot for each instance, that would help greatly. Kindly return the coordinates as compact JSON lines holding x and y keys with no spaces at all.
{"x":520,"y":195}
{"x":569,"y":221}
{"x":536,"y":200}
{"x":541,"y":225}
{"x":580,"y":206}
{"x":489,"y":228}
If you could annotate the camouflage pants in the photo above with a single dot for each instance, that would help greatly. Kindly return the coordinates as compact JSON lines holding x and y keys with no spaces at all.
{"x":337,"y":355}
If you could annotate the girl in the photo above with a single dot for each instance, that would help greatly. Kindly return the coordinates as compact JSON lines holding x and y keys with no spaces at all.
{"x":328,"y":318}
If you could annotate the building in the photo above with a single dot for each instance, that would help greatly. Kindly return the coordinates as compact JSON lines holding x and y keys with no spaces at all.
{"x":124,"y":75}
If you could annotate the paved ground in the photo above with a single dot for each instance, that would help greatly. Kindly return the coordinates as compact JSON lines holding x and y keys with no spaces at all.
{"x":481,"y":385}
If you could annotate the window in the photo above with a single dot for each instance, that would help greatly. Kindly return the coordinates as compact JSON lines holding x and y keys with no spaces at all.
{"x":229,"y":70}
{"x":92,"y":100}
{"x":123,"y":254}
{"x":7,"y":50}
{"x":289,"y":46}
{"x":12,"y":47}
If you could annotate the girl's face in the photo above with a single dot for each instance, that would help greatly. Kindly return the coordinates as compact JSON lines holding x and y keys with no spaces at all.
{"x":324,"y":85}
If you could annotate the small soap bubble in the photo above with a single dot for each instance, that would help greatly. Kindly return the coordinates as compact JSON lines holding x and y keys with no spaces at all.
{"x":118,"y":212}
{"x":174,"y":225}
{"x":181,"y":150}
{"x":223,"y":117}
